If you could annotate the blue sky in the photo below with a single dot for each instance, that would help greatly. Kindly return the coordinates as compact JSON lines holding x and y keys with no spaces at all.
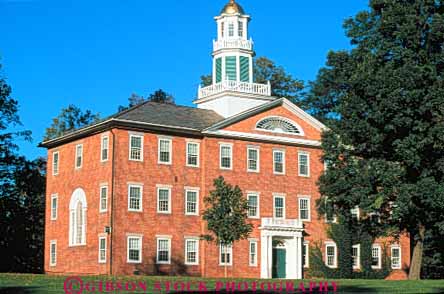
{"x":94,"y":54}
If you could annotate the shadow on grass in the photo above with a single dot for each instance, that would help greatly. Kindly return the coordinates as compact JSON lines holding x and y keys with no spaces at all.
{"x":20,"y":290}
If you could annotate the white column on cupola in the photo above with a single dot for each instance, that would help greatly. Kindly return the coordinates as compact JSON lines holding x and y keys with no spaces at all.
{"x":233,"y":51}
{"x":233,"y":89}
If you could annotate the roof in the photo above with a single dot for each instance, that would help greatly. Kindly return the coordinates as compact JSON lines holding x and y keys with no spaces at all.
{"x":150,"y":116}
{"x":171,"y":115}
{"x":232,"y":8}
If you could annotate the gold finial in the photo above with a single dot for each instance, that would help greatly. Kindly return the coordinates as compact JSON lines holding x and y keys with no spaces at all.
{"x":232,"y":8}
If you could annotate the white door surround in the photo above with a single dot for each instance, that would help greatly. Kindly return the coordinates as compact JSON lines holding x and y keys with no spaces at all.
{"x":290,"y":232}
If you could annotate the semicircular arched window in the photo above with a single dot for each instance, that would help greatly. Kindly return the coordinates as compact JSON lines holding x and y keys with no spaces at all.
{"x":277,"y":124}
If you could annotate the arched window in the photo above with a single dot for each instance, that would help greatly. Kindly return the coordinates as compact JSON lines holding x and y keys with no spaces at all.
{"x":77,"y":218}
{"x":277,"y":124}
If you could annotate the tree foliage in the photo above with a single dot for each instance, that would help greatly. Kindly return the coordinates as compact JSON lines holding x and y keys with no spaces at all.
{"x":70,"y":119}
{"x":283,"y":84}
{"x":384,"y":104}
{"x":226,"y":214}
{"x":159,"y":96}
{"x":22,"y":195}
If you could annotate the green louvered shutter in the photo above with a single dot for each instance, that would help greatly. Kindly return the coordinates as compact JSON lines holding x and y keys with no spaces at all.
{"x":218,"y":70}
{"x":244,"y":69}
{"x":230,"y":68}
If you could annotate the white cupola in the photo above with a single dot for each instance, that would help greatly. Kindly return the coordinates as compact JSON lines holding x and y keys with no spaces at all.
{"x":232,"y":90}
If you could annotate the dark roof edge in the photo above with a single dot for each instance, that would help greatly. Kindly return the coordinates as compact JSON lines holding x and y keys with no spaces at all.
{"x":116,"y":123}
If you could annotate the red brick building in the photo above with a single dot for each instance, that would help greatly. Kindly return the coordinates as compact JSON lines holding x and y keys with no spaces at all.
{"x":125,"y":195}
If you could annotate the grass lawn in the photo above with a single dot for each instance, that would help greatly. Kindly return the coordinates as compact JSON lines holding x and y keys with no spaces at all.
{"x":39,"y":284}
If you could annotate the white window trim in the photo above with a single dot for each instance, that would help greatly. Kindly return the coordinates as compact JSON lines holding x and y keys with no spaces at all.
{"x":255,"y":254}
{"x":358,"y":213}
{"x":169,"y":250}
{"x":195,"y":239}
{"x":170,"y":150}
{"x":379,"y":266}
{"x":102,"y":238}
{"x":306,"y":245}
{"x":104,"y":186}
{"x":308,"y":198}
{"x":229,"y":250}
{"x":229,"y":145}
{"x":258,"y":211}
{"x":333,"y":244}
{"x":164,"y":187}
{"x":141,"y":197}
{"x":141,"y":147}
{"x":358,"y":247}
{"x":258,"y":150}
{"x":77,"y":196}
{"x":128,"y":237}
{"x":189,"y":189}
{"x":102,"y":148}
{"x":391,"y":257}
{"x":54,"y":171}
{"x":283,"y":162}
{"x":51,"y":263}
{"x":77,"y":156}
{"x":308,"y":164}
{"x":198,"y":154}
{"x":274,"y":206}
{"x":56,"y":197}
{"x":335,"y":218}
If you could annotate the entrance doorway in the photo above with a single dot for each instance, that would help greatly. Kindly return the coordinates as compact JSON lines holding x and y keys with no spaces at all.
{"x":279,"y":263}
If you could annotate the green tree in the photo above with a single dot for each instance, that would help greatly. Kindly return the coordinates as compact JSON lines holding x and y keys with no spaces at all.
{"x":282,"y":83}
{"x":226,"y":215}
{"x":22,"y":194}
{"x":384,"y":103}
{"x":70,"y":119}
{"x":160,"y":96}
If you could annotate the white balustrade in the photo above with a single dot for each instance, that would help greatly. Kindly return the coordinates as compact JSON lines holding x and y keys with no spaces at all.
{"x":232,"y":43}
{"x":235,"y":86}
{"x":281,"y":223}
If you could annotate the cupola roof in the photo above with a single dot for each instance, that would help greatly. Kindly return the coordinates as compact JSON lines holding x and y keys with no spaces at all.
{"x":232,"y":8}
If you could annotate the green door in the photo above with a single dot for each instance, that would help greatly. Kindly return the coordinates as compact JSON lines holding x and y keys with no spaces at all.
{"x":279,"y":257}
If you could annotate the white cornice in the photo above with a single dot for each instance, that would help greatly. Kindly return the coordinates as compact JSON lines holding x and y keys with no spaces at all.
{"x":267,"y":138}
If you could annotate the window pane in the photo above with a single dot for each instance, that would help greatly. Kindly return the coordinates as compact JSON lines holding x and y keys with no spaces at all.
{"x":191,"y":201}
{"x":279,"y":207}
{"x":136,"y":148}
{"x":192,"y":154}
{"x":191,"y":251}
{"x":135,"y":198}
{"x":104,"y":148}
{"x":278,"y":161}
{"x":252,"y":159}
{"x":164,"y":151}
{"x":103,"y":198}
{"x":303,"y":164}
{"x":163,"y":200}
{"x":375,"y":256}
{"x":252,"y":205}
{"x":304,"y":209}
{"x":134,"y":249}
{"x":163,"y":250}
{"x":226,"y":156}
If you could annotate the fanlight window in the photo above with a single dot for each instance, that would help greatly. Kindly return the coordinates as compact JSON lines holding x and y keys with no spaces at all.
{"x":278,"y":124}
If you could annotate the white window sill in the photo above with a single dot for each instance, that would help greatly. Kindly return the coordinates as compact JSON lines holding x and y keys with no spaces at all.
{"x":191,"y":264}
{"x":133,"y":210}
{"x":134,"y":262}
{"x":163,"y":262}
{"x":76,"y":245}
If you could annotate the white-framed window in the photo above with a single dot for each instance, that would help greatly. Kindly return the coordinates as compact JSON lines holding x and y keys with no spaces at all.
{"x":331,"y":254}
{"x":222,"y":29}
{"x":54,"y":205}
{"x":304,"y":208}
{"x":240,"y":29}
{"x":230,"y":29}
{"x":226,"y":156}
{"x":355,"y":212}
{"x":304,"y":164}
{"x":193,"y":150}
{"x":134,"y":249}
{"x":191,"y":201}
{"x":253,"y":205}
{"x":376,"y":256}
{"x":225,"y":254}
{"x":103,"y":198}
{"x":79,"y":156}
{"x":104,"y":150}
{"x":306,"y":254}
{"x":395,"y":257}
{"x":330,"y":216}
{"x":135,"y":147}
{"x":192,"y":251}
{"x":356,"y":256}
{"x":279,"y":206}
{"x":135,"y":197}
{"x":252,"y":261}
{"x":165,"y":151}
{"x":253,"y":161}
{"x":163,"y":199}
{"x":53,"y":253}
{"x":102,"y":249}
{"x":163,"y":251}
{"x":77,"y":218}
{"x":55,"y":163}
{"x":278,"y":162}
